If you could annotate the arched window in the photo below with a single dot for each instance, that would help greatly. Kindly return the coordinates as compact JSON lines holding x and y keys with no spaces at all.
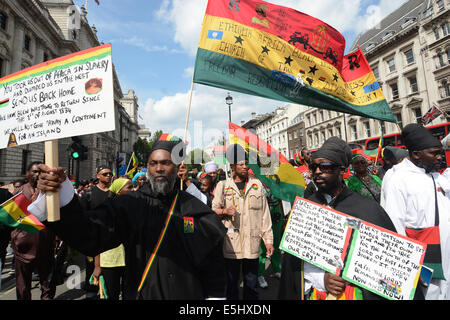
{"x":3,"y":20}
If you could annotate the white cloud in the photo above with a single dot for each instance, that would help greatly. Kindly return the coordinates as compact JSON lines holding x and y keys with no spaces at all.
{"x":188,"y":72}
{"x":208,"y":116}
{"x":186,"y":18}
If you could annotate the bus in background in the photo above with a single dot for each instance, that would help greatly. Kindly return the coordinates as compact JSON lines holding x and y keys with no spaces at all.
{"x":440,"y":131}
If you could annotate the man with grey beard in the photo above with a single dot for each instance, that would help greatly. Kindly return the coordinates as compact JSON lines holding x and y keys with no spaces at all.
{"x":173,"y":242}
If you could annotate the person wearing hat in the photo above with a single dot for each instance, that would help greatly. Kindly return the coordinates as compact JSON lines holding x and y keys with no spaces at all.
{"x":211,"y":169}
{"x":418,"y":202}
{"x":368,"y":185}
{"x":391,"y":156}
{"x":328,"y":164}
{"x":89,"y":200}
{"x":111,"y":264}
{"x":241,"y":204}
{"x":139,"y":180}
{"x":173,"y":242}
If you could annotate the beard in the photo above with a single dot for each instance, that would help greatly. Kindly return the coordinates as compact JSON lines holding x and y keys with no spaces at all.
{"x":165,"y":184}
{"x":429,"y":167}
{"x":328,"y":185}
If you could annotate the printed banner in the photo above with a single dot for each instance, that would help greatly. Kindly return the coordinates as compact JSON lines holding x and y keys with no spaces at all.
{"x":279,"y":53}
{"x":68,"y":96}
{"x":371,"y":257}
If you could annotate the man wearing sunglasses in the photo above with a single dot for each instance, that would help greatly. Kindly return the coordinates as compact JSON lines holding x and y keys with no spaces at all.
{"x":328,"y":165}
{"x":90,"y":200}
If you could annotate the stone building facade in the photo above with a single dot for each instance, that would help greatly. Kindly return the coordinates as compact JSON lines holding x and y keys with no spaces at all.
{"x":32,"y":32}
{"x":409,"y":54}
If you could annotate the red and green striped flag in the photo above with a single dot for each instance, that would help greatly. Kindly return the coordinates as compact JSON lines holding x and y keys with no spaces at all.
{"x":268,"y":165}
{"x":271,"y":51}
{"x":14,"y":213}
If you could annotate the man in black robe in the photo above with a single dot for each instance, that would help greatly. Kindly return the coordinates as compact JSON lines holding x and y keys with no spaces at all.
{"x":327,"y":167}
{"x":189,"y":263}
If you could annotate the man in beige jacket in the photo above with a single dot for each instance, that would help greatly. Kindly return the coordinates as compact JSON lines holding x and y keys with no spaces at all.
{"x":241,"y":204}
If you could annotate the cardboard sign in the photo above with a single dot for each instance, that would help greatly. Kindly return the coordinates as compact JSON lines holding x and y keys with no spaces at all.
{"x":369,"y":256}
{"x":65,"y":97}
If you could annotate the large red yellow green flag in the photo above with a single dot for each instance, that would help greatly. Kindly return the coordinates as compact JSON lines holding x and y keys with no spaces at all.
{"x":268,"y":165}
{"x":271,"y":51}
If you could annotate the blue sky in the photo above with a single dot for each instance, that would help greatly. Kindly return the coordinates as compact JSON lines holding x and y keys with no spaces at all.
{"x":154,"y":44}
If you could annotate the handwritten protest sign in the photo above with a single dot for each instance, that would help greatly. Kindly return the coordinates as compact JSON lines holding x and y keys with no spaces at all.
{"x":371,"y":257}
{"x":68,"y":96}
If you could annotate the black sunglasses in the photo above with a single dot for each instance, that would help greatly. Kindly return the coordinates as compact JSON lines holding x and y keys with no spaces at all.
{"x":325,"y":167}
{"x":107,"y":174}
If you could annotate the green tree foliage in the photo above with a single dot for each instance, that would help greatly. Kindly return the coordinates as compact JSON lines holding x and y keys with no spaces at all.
{"x":142,"y":148}
{"x":195,"y":158}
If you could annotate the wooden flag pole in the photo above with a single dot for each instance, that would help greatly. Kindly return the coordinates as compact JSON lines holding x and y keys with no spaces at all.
{"x":187,"y":122}
{"x":51,"y":160}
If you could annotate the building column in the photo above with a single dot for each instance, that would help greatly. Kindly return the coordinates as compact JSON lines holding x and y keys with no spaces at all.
{"x":19,"y":33}
{"x":38,"y":52}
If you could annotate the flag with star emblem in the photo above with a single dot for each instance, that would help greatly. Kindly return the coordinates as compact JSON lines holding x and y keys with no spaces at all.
{"x":279,"y":53}
{"x":14,"y":213}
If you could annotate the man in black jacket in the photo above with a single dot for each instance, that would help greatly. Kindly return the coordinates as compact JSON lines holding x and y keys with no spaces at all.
{"x":188,"y":264}
{"x":327,"y":167}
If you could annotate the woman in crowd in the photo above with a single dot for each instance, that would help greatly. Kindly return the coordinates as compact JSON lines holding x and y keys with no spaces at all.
{"x":362,"y":182}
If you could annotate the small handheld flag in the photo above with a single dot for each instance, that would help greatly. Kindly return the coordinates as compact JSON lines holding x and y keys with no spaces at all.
{"x":14,"y":213}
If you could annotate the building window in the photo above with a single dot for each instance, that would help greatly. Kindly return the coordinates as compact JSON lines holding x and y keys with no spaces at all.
{"x":323,"y":136}
{"x":25,"y":159}
{"x":398,"y":117}
{"x":27,"y":42}
{"x":314,"y":118}
{"x":367,"y":129}
{"x":330,"y":133}
{"x":338,"y":132}
{"x":441,"y":60}
{"x":354,"y":133}
{"x":391,"y":65}
{"x":447,"y":51}
{"x":310,"y":139}
{"x":440,"y":4}
{"x":295,"y":135}
{"x":413,"y":84}
{"x":3,"y":20}
{"x":436,"y":34}
{"x":409,"y":56}
{"x":316,"y":138}
{"x":445,"y":90}
{"x":376,"y":72}
{"x":417,"y":115}
{"x":394,"y":90}
{"x":445,"y":29}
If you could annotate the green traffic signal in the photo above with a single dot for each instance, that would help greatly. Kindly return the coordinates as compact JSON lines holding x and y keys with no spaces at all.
{"x":75,"y":155}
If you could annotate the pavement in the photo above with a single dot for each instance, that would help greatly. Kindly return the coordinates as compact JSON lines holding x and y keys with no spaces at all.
{"x":70,"y":290}
{"x":74,"y":281}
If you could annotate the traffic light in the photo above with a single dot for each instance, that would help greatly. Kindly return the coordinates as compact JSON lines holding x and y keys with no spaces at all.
{"x":78,"y":151}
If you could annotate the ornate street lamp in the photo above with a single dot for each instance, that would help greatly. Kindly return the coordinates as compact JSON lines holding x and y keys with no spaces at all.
{"x":229,"y":101}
